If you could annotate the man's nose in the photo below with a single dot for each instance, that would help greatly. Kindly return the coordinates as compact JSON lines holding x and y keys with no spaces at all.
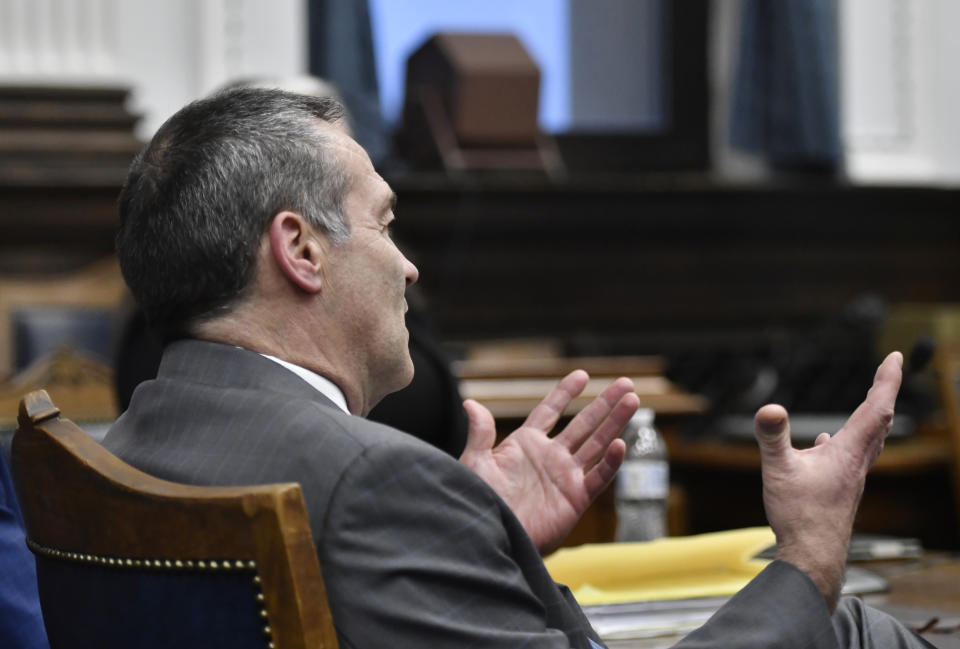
{"x":410,"y":272}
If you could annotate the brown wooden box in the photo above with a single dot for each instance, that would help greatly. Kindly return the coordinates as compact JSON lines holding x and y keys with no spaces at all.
{"x":487,"y":83}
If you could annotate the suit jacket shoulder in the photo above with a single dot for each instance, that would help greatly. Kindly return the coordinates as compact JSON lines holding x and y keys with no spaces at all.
{"x":416,"y":550}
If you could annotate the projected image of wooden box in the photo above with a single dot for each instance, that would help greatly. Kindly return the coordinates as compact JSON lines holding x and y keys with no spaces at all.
{"x":471,"y":103}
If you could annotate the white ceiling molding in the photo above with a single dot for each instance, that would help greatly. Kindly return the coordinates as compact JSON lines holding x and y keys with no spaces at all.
{"x":168,"y":52}
{"x":58,"y":41}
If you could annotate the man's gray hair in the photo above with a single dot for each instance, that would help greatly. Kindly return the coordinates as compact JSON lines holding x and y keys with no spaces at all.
{"x":200,"y":196}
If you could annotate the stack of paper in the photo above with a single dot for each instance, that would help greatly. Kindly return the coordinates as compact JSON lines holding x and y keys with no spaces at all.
{"x":668,"y":587}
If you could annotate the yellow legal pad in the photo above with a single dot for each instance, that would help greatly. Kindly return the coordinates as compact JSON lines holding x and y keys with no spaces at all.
{"x":705,"y":565}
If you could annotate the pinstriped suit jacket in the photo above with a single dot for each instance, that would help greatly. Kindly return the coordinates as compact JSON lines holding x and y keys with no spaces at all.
{"x":416,"y":550}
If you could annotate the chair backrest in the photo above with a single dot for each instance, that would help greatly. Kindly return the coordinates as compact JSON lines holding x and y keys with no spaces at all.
{"x":128,"y":560}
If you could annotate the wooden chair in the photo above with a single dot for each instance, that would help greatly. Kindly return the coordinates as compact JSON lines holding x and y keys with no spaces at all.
{"x":127,"y":560}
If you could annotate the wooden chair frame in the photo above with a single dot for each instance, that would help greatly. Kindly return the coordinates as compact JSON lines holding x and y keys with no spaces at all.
{"x":82,"y":503}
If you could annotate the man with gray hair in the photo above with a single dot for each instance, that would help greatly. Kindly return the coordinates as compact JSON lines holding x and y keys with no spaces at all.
{"x":255,"y":233}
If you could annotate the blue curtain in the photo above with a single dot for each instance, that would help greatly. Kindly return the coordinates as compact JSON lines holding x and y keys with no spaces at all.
{"x":786,"y":103}
{"x":341,"y":51}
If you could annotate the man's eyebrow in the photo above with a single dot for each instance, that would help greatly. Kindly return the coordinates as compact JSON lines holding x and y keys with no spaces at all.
{"x":389,"y":204}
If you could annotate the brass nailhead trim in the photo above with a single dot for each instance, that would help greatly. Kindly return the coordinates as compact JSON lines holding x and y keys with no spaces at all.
{"x":129,"y":562}
{"x":203,"y":565}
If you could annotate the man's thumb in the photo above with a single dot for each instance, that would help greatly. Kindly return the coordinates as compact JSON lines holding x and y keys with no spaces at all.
{"x":771,"y":426}
{"x":481,"y":428}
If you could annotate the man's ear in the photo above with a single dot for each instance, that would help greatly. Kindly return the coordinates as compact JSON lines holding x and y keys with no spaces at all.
{"x":296,"y":250}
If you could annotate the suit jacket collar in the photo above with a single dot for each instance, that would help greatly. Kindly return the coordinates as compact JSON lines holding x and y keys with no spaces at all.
{"x":223,"y":365}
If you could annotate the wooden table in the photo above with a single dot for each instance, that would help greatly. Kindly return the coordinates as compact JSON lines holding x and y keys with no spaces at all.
{"x":924,"y":593}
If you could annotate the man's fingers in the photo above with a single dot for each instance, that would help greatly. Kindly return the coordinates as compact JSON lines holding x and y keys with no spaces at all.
{"x":597,"y":478}
{"x":877,"y":408}
{"x":870,"y":422}
{"x":548,"y":411}
{"x":481,"y":428}
{"x":596,"y":442}
{"x":771,"y":426}
{"x":886,"y":383}
{"x":605,"y":414}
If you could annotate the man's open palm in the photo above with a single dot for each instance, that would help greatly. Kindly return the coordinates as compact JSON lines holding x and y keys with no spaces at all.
{"x":549,"y":482}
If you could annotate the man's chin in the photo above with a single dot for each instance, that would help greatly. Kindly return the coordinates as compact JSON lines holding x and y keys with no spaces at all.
{"x":409,"y":374}
{"x":403,"y":377}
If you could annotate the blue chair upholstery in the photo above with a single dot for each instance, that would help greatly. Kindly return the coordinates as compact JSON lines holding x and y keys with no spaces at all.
{"x":88,"y":603}
{"x":41,"y":330}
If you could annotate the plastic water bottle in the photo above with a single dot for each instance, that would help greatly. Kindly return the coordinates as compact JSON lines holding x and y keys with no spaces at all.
{"x":642,"y":482}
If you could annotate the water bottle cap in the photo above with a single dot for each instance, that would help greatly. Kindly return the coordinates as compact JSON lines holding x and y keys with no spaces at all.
{"x":643,"y":416}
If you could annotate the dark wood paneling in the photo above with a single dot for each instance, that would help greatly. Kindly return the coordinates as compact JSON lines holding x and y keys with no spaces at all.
{"x":632,"y":260}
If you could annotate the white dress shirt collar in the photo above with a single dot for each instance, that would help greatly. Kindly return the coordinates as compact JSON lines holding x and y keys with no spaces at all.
{"x":324,"y":386}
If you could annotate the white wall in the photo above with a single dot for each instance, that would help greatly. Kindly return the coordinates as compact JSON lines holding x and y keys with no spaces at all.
{"x":168,"y":51}
{"x":899,"y":60}
{"x":901,"y":90}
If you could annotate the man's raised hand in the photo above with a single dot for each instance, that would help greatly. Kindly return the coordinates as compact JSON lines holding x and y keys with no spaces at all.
{"x":811,"y":496}
{"x":549,"y":482}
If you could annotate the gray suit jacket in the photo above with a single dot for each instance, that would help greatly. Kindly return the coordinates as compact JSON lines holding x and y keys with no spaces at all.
{"x":416,"y":550}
